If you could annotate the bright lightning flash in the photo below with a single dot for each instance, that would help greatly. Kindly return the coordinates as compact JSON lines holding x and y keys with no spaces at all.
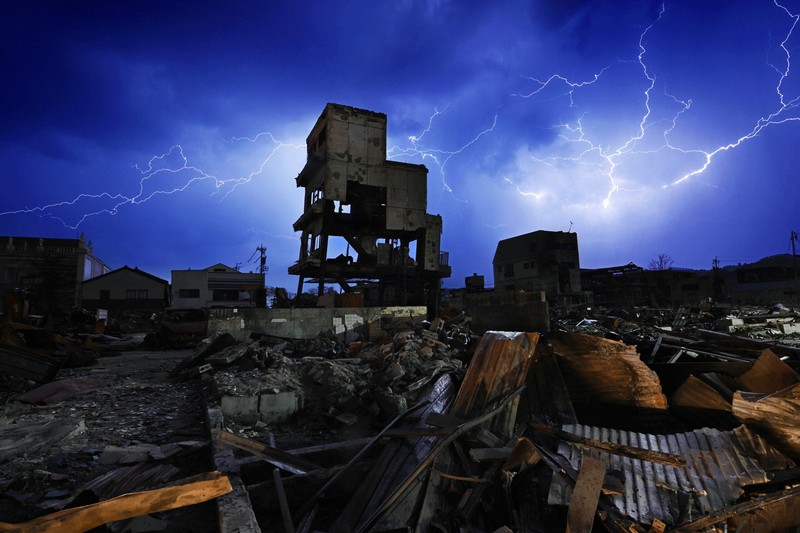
{"x":584,"y":150}
{"x":439,"y":156}
{"x":165,"y":174}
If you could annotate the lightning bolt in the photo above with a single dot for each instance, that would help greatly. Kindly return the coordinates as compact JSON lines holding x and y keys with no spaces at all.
{"x":536,"y":195}
{"x":585,"y":150}
{"x":171,"y":165}
{"x":542,"y":85}
{"x":439,"y":156}
{"x":776,"y":117}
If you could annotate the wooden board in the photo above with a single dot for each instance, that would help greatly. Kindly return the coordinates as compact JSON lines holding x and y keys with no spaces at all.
{"x":586,"y":495}
{"x":776,"y":417}
{"x":768,"y":374}
{"x":191,"y":491}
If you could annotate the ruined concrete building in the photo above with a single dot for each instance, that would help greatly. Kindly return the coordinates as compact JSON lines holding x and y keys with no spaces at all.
{"x":51,"y":271}
{"x":540,"y":261}
{"x":388,"y":246}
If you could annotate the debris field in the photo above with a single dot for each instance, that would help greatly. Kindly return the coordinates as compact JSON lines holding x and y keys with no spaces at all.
{"x":618,"y":420}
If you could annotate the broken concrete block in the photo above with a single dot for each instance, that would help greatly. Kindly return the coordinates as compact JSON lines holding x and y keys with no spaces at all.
{"x":402,"y":338}
{"x":394,"y":372}
{"x":241,"y":408}
{"x":348,"y":419}
{"x":279,"y":407}
{"x":790,"y":328}
{"x":729,"y":324}
{"x":127,"y":455}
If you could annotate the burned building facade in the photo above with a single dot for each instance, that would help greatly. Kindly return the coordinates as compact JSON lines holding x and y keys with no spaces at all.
{"x":632,"y":285}
{"x":773,"y":279}
{"x":50,"y":271}
{"x":368,"y":213}
{"x":540,"y":261}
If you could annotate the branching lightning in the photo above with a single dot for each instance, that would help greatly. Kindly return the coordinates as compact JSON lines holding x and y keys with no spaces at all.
{"x":606,"y":159}
{"x":172,"y":172}
{"x":776,"y":117}
{"x":171,"y":164}
{"x":439,"y":156}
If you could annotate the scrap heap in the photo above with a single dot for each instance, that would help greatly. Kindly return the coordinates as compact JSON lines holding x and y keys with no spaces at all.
{"x":432,"y":428}
{"x":517,"y":432}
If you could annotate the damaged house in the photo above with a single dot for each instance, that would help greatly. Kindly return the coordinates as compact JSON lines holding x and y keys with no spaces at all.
{"x":125,"y":290}
{"x":50,"y":271}
{"x":217,"y":286}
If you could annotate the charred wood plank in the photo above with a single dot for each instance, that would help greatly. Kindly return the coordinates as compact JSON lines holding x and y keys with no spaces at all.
{"x":442,"y":445}
{"x":279,"y":458}
{"x":397,"y":460}
{"x":775,"y":512}
{"x":586,"y":495}
{"x":315,"y":498}
{"x":286,"y":514}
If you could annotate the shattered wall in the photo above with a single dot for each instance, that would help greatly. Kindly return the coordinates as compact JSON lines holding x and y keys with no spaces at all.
{"x":304,"y":323}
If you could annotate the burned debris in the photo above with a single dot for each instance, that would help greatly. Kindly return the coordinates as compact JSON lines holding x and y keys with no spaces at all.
{"x":524,"y":431}
{"x":635,"y":421}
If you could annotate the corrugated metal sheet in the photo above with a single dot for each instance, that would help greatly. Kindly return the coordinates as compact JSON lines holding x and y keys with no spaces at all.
{"x":718,"y":464}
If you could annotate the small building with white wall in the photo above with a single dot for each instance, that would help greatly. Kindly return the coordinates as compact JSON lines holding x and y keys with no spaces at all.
{"x":217,"y":286}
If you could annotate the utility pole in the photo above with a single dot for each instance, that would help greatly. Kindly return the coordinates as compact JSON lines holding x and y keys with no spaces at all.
{"x":262,"y":269}
{"x":717,"y":282}
{"x":261,"y":299}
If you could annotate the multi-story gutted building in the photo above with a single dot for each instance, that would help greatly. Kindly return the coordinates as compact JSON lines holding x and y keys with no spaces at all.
{"x":540,"y":261}
{"x":624,"y":285}
{"x":50,"y":271}
{"x":372,"y":211}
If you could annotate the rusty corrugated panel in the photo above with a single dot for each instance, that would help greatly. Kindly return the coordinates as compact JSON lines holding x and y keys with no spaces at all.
{"x":776,"y":416}
{"x":718,"y":465}
{"x":768,"y":374}
{"x":497,"y":370}
{"x":500,"y":365}
{"x":695,"y":392}
{"x":606,"y":371}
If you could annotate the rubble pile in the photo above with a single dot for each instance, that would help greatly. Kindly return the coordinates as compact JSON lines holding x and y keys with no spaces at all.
{"x":632,"y":420}
{"x":667,"y":456}
{"x":777,"y":322}
{"x":376,"y":382}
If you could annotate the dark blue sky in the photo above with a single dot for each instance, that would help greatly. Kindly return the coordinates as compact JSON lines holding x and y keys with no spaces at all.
{"x":170,"y":133}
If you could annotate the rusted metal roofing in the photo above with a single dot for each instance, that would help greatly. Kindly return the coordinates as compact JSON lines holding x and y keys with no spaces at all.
{"x":718,"y":465}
